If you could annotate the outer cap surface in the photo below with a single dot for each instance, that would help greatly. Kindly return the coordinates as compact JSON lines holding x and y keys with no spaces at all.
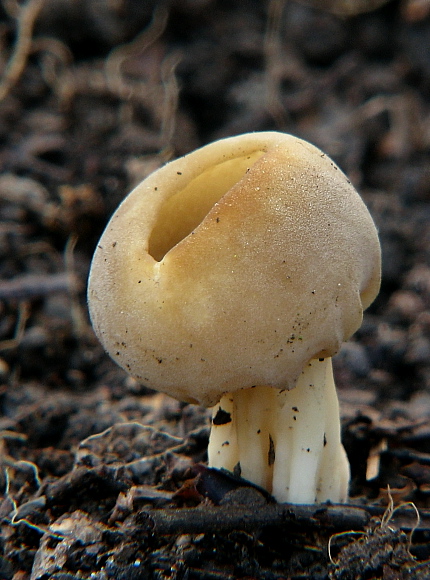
{"x":276,"y":273}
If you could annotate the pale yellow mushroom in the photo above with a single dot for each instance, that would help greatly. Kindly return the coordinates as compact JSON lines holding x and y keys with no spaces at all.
{"x":228,"y":278}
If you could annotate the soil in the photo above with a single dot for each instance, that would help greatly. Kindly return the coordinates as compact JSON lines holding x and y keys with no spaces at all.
{"x":102,"y":478}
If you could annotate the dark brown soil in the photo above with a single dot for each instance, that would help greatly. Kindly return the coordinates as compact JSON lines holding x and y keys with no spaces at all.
{"x":100,"y":477}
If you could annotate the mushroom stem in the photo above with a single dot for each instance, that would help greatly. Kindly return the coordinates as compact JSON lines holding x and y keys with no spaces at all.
{"x":288,"y":441}
{"x":223,"y":448}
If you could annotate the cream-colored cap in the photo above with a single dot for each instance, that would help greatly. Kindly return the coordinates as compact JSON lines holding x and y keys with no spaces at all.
{"x":232,"y":267}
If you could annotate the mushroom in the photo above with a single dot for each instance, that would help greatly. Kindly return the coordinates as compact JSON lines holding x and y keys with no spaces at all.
{"x":229,"y":278}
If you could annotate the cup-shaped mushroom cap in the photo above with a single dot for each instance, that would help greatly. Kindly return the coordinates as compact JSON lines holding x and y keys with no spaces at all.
{"x":232,"y":267}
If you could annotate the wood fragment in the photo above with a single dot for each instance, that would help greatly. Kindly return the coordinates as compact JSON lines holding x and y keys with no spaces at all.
{"x":227,"y":518}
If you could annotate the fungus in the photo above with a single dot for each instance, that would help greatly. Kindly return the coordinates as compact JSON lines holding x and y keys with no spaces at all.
{"x":229,"y":278}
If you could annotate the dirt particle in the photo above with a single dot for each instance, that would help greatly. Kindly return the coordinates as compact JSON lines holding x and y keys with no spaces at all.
{"x":222,"y":417}
{"x":271,"y":454}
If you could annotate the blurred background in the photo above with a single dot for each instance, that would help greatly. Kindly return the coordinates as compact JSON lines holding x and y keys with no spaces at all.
{"x":94,"y":95}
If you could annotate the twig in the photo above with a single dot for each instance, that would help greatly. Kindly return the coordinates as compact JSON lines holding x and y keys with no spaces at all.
{"x":345,"y":7}
{"x":113,"y":65}
{"x":80,"y":325}
{"x":274,"y":61}
{"x":226,"y":518}
{"x":170,"y":104}
{"x":26,"y":19}
{"x":23,"y":316}
{"x":36,"y":285}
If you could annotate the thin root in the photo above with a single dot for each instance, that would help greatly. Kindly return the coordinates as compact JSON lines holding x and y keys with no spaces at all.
{"x":391,"y":510}
{"x":338,"y":535}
